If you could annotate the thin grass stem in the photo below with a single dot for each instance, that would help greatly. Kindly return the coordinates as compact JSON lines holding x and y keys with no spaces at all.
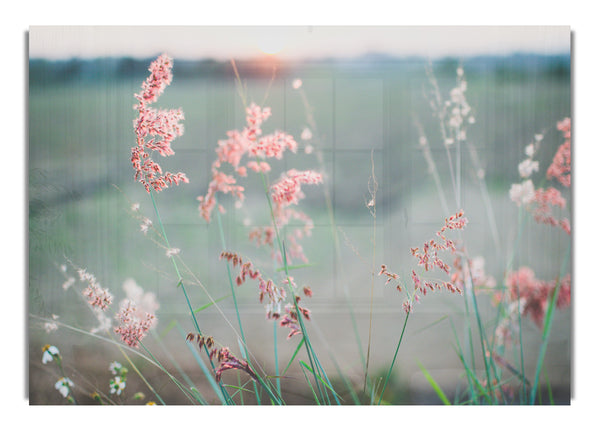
{"x":387,"y":378}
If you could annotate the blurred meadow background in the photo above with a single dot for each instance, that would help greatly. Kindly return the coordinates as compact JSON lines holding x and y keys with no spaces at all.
{"x":367,"y":106}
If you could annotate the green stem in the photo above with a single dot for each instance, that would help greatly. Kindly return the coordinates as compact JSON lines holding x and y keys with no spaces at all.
{"x":187,"y":299}
{"x":387,"y":378}
{"x":547,"y":327}
{"x":235,"y":303}
{"x":309,"y":349}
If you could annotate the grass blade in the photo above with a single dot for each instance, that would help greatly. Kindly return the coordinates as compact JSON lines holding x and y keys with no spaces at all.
{"x":210,"y":304}
{"x":434,"y":385}
{"x":294,"y":355}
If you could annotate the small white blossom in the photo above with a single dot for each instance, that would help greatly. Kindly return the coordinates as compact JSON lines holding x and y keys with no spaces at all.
{"x":63,"y":386}
{"x":146,"y":223}
{"x":527,"y":167}
{"x":172,"y":252}
{"x":306,"y":134}
{"x":68,"y":283}
{"x":115,"y":367}
{"x":296,"y":84}
{"x":49,"y":353}
{"x":117,"y":385}
{"x":50,"y":327}
{"x":530,"y":150}
{"x":522,"y":193}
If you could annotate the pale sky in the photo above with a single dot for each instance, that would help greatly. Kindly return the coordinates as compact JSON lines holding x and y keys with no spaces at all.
{"x":292,"y":42}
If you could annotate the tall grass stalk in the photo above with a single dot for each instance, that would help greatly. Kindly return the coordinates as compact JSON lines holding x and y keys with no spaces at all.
{"x":372,"y":206}
{"x":547,"y":326}
{"x":387,"y":377}
{"x":310,"y":119}
{"x":183,"y":289}
{"x":309,"y":350}
{"x":235,"y":303}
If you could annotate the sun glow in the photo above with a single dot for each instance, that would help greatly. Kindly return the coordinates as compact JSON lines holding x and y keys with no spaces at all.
{"x":272,"y":41}
{"x":271,"y":45}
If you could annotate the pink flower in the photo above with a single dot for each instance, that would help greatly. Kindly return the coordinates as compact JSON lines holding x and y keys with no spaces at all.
{"x":144,"y":302}
{"x":542,"y":212}
{"x":428,"y":258}
{"x":288,"y":190}
{"x":248,"y":143}
{"x":561,"y":164}
{"x":132,"y":328}
{"x":155,"y":129}
{"x":536,"y":294}
{"x":228,"y":362}
{"x":97,"y":296}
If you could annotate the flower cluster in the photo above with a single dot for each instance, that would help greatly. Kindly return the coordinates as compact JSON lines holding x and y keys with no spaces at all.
{"x":133,"y":328}
{"x":458,"y":110}
{"x":474,"y":272}
{"x":155,"y":129}
{"x":250,"y":143}
{"x":541,"y":201}
{"x":96,"y":295}
{"x":228,"y":362}
{"x":249,"y":150}
{"x":454,"y":113}
{"x":429,"y":259}
{"x":542,"y":208}
{"x":274,"y":295}
{"x":287,"y":190}
{"x":290,"y":318}
{"x":117,"y":383}
{"x":203,"y":341}
{"x":534,"y":295}
{"x":145,"y":302}
{"x":561,"y":164}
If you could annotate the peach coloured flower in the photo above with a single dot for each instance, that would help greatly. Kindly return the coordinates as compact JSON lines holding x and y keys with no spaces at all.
{"x":132,"y":328}
{"x":561,"y":164}
{"x":155,"y":129}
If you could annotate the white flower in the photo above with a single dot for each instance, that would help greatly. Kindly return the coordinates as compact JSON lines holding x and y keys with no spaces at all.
{"x":50,"y":327}
{"x":145,"y":302}
{"x":68,"y":283}
{"x":308,"y":149}
{"x":172,"y":252}
{"x":527,"y":167}
{"x":135,"y":206}
{"x":146,"y":223}
{"x":117,"y":385}
{"x":63,"y":386}
{"x":115,"y":367}
{"x":530,"y":150}
{"x":306,"y":134}
{"x":49,"y":353}
{"x":522,"y":193}
{"x":296,"y":84}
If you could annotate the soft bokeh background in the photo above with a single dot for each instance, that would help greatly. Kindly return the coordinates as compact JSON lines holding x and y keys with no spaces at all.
{"x":80,"y":136}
